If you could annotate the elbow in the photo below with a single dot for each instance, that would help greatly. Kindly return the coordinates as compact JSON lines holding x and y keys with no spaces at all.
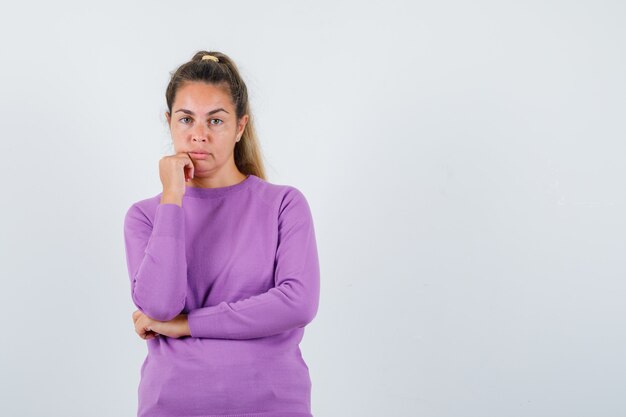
{"x":304,"y":304}
{"x":306,"y":313}
{"x":162,"y":310}
{"x":161,"y":314}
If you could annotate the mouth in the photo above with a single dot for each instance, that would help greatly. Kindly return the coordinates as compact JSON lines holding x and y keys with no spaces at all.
{"x":199,"y":155}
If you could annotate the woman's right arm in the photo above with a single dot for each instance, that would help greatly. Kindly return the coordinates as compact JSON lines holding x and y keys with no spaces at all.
{"x":156,"y":260}
{"x":155,"y":250}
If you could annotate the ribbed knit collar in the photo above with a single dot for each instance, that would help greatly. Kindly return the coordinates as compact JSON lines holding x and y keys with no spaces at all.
{"x":201,"y":192}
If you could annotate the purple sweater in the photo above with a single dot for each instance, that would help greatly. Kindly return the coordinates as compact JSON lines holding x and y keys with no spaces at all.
{"x":242,"y":262}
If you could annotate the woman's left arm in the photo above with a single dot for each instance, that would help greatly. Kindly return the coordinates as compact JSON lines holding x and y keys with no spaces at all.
{"x":293,"y":301}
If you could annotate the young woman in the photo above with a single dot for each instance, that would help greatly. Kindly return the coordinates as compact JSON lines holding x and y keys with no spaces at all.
{"x":223,"y":264}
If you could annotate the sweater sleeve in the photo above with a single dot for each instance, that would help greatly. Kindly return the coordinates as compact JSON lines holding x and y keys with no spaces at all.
{"x":157,"y":265}
{"x":294,"y":299}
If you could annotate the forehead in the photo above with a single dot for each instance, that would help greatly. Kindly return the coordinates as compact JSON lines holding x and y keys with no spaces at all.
{"x":197,"y":95}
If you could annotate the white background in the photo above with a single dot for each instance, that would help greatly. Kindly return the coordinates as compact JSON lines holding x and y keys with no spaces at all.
{"x":464,"y":163}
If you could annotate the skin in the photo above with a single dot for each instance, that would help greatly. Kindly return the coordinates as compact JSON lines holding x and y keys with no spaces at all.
{"x":194,"y":130}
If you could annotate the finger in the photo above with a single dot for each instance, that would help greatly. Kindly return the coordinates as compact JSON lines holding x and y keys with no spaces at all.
{"x":144,"y":334}
{"x":141,"y":326}
{"x":189,"y":167}
{"x":148,"y":330}
{"x":150,"y":335}
{"x":137,"y":317}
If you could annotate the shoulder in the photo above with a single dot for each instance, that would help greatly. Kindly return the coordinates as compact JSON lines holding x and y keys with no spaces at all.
{"x":142,"y":211}
{"x":281,"y":196}
{"x":289,"y":204}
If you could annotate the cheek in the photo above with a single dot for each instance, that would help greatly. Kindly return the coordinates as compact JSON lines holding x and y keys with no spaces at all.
{"x":178,"y":132}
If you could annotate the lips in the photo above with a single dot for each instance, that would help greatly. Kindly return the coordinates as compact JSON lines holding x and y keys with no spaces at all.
{"x":198,"y":154}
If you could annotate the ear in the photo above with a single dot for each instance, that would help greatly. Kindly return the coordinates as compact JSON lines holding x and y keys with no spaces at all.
{"x":242,"y":124}
{"x":167,"y":116}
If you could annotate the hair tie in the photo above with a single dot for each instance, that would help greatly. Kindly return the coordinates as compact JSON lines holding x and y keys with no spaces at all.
{"x":211,"y":57}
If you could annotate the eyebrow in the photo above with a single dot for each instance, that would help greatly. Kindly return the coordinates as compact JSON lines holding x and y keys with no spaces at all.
{"x":208,"y":113}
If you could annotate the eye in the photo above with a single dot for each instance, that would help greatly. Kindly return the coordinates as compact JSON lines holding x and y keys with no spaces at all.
{"x":183,"y":118}
{"x":217,"y":124}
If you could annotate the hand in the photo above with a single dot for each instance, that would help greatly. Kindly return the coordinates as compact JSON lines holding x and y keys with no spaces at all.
{"x":148,"y":328}
{"x":174,"y":171}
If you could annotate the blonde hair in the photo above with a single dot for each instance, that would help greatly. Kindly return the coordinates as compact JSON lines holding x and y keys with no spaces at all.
{"x":221,"y":70}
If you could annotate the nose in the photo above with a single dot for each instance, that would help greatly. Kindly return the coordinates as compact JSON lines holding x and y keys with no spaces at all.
{"x":200,"y":134}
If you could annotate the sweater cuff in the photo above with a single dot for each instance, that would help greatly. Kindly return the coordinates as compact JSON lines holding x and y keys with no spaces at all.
{"x":169,"y":221}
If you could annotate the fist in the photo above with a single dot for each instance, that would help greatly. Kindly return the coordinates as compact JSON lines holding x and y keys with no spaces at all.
{"x":174,"y":171}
